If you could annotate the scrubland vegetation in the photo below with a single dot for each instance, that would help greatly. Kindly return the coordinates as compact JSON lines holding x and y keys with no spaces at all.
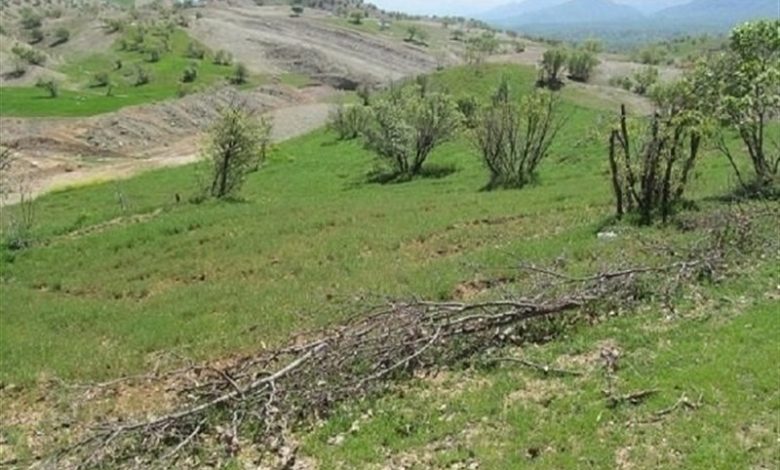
{"x":468,"y":269}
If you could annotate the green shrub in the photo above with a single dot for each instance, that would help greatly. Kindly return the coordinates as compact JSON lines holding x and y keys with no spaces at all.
{"x":644,"y":79}
{"x":223,"y":57}
{"x":240,"y":74}
{"x":349,"y":121}
{"x":195,"y":51}
{"x":30,"y":19}
{"x":190,"y":74}
{"x":61,"y":36}
{"x":29,"y":55}
{"x":581,"y":65}
{"x":36,"y":36}
{"x":100,"y":79}
{"x":50,"y":85}
{"x":142,"y":76}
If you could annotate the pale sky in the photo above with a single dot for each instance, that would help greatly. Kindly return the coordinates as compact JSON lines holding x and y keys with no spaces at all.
{"x":471,"y":7}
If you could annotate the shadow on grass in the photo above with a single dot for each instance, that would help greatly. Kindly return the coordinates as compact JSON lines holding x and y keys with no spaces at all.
{"x":381,"y":176}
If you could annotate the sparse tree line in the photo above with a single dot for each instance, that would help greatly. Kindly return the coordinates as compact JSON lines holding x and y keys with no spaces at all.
{"x":652,"y":159}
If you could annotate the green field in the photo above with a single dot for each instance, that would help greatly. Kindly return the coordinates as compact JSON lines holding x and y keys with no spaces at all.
{"x":80,"y":97}
{"x":120,"y":271}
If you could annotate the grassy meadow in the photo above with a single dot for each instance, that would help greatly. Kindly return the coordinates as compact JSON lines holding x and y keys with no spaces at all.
{"x":119,"y":272}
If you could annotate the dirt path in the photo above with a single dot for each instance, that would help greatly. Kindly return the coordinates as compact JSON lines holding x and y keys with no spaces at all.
{"x":289,"y":122}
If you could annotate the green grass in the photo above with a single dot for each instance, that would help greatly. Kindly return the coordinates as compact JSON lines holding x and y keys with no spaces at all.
{"x":120,"y":270}
{"x":79,"y":97}
{"x":509,"y":417}
{"x":100,"y":291}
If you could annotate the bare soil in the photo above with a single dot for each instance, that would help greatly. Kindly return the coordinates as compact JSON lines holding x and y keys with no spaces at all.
{"x":56,"y":153}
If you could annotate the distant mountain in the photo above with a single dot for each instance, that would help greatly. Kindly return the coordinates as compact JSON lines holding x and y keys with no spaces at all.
{"x":648,"y":7}
{"x":582,"y":12}
{"x":511,"y":11}
{"x":720,"y":12}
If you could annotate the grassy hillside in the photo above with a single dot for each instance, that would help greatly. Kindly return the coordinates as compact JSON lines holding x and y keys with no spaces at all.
{"x":218,"y":278}
{"x":82,"y":96}
{"x":120,"y":275}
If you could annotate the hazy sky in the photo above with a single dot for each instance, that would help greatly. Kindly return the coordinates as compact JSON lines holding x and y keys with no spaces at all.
{"x":439,"y":6}
{"x":464,"y":7}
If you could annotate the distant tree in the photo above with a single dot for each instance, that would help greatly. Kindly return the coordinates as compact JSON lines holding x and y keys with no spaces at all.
{"x":469,"y":108}
{"x":552,"y":65}
{"x":101,"y":79}
{"x":236,"y":146}
{"x":28,"y":54}
{"x":30,"y":19}
{"x":644,"y":79}
{"x":297,"y":8}
{"x":479,"y":48}
{"x":593,"y":45}
{"x":458,"y":35}
{"x":741,"y":87}
{"x":407,"y":126}
{"x":240,"y":74}
{"x":189,"y":74}
{"x":581,"y":64}
{"x":36,"y":36}
{"x":514,"y":136}
{"x":50,"y":85}
{"x":61,"y":36}
{"x":223,"y":57}
{"x":195,"y":51}
{"x":349,"y":121}
{"x":416,"y":34}
{"x":356,"y":17}
{"x":142,"y":76}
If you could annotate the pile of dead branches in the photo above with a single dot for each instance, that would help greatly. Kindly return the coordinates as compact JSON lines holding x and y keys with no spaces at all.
{"x":254,"y":402}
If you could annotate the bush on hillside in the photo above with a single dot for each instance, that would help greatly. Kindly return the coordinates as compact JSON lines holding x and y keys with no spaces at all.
{"x":50,"y":85}
{"x":408,"y":125}
{"x":513,"y":135}
{"x":237,"y":144}
{"x":349,"y":121}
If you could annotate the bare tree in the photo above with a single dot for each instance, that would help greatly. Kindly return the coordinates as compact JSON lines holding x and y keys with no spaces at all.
{"x":650,"y":173}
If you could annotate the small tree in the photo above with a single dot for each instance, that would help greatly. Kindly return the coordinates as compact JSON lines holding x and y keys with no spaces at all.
{"x":235,"y":147}
{"x":61,"y":36}
{"x":416,"y":34}
{"x":650,"y":172}
{"x":356,"y":17}
{"x":581,"y":65}
{"x":552,"y":65}
{"x":30,"y":19}
{"x":644,"y":79}
{"x":742,"y":89}
{"x":407,"y":126}
{"x":513,"y":136}
{"x":190,"y":74}
{"x":240,"y":74}
{"x":480,"y":48}
{"x":349,"y":121}
{"x":50,"y":85}
{"x":297,"y":8}
{"x":101,"y":79}
{"x":36,"y":36}
{"x":142,"y":76}
{"x":195,"y":51}
{"x":223,"y":57}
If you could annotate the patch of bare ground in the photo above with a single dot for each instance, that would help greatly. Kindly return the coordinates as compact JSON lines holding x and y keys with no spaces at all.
{"x":122,"y":144}
{"x":268,"y":39}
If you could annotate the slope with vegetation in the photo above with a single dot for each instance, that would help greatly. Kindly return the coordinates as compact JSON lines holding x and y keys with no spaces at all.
{"x":572,"y":290}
